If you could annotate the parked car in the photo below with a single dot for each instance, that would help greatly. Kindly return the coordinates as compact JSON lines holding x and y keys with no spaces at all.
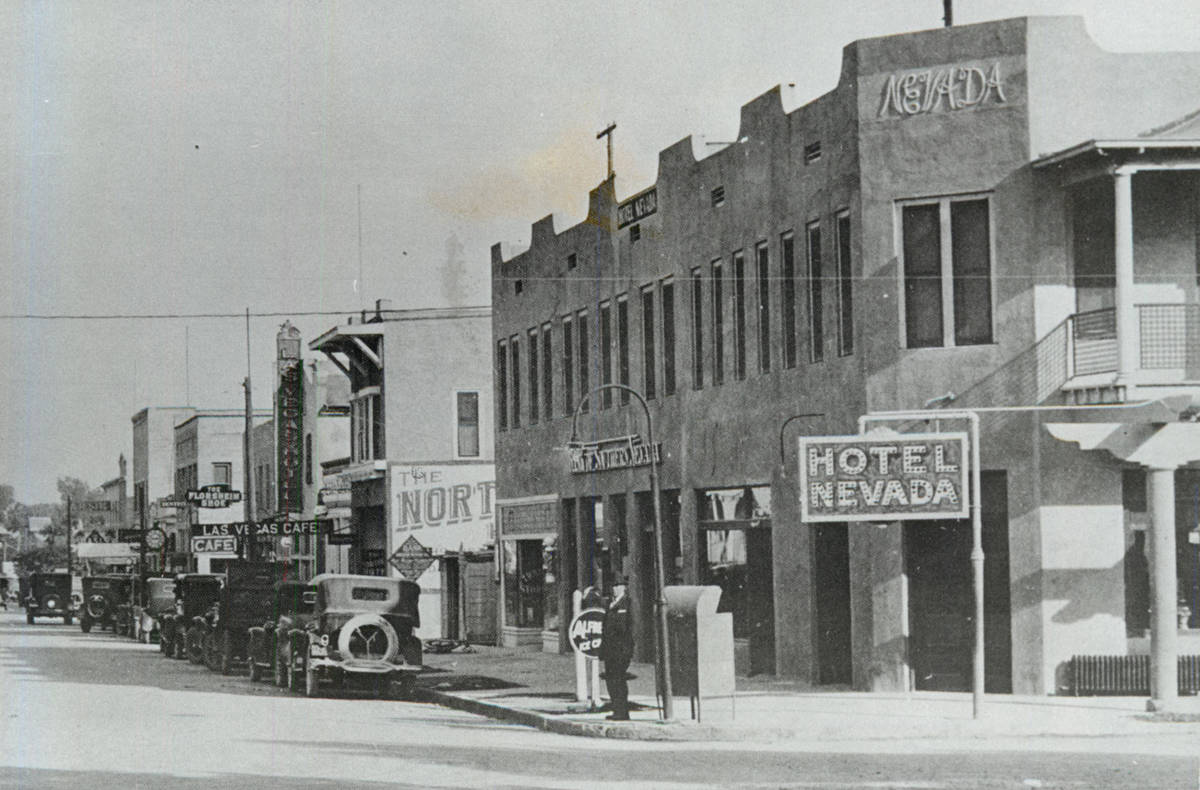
{"x":266,"y":645}
{"x":195,"y":595}
{"x":247,"y":598}
{"x":101,"y":596}
{"x":49,"y":596}
{"x":159,"y":600}
{"x":361,"y":635}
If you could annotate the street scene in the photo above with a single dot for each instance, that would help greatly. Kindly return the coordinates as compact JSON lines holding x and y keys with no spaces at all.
{"x":761,"y":395}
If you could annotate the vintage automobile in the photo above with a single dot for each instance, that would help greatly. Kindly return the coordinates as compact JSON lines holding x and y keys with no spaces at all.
{"x":247,"y":598}
{"x":195,"y":595}
{"x":101,"y":597}
{"x":361,"y":635}
{"x":49,"y":596}
{"x":294,"y":602}
{"x":158,"y":600}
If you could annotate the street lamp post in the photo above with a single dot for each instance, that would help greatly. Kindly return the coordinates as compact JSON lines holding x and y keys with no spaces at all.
{"x":662,"y":656}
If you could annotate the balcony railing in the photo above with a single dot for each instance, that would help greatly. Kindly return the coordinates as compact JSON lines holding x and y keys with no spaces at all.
{"x":1168,"y":336}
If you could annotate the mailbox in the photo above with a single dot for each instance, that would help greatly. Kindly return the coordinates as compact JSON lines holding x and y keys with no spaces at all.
{"x":701,"y":640}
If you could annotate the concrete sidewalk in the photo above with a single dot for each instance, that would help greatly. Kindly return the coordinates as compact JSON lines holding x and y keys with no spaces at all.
{"x":538,"y":690}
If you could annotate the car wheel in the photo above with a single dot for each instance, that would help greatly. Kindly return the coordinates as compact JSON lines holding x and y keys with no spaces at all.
{"x":226,"y":653}
{"x":195,"y":645}
{"x":282,"y":661}
{"x":29,"y":618}
{"x":311,"y":684}
{"x":407,"y":684}
{"x":85,"y":625}
{"x":212,"y":658}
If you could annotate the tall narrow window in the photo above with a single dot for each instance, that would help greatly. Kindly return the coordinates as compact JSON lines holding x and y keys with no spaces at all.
{"x":623,"y":345}
{"x":668,"y":335}
{"x":816,"y":317}
{"x":581,"y":329}
{"x":648,"y":360}
{"x":787,"y":258}
{"x":739,"y":315}
{"x":547,"y":373}
{"x":970,"y":238}
{"x":718,"y":311}
{"x":534,"y":378}
{"x":514,"y":348}
{"x":947,"y":272}
{"x":502,"y":385}
{"x":606,"y":398}
{"x":467,"y":437}
{"x":845,"y":287}
{"x":764,"y":308}
{"x":222,"y":473}
{"x":568,"y":366}
{"x":697,"y":329}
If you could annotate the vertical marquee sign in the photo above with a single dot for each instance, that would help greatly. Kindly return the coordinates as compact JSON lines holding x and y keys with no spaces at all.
{"x":290,"y":421}
{"x":884,"y":478}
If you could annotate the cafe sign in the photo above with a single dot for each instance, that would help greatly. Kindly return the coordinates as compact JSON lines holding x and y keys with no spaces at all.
{"x":623,"y":452}
{"x":884,"y":478}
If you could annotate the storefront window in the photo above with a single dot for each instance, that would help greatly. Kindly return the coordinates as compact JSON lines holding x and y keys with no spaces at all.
{"x":524,"y":583}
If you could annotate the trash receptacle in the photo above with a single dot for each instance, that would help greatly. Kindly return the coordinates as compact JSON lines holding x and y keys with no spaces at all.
{"x":701,"y":640}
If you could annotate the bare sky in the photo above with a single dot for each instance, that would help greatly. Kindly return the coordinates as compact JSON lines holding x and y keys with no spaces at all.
{"x":183,"y":158}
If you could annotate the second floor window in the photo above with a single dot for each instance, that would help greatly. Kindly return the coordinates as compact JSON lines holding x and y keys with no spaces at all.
{"x":366,"y":425}
{"x":547,"y":372}
{"x":648,"y":358}
{"x":534,"y":378}
{"x":467,"y":421}
{"x":816,"y":298}
{"x":697,"y":329}
{"x":222,"y":473}
{"x":623,"y":345}
{"x":946,"y":247}
{"x":845,"y":287}
{"x":668,"y":335}
{"x":568,"y":365}
{"x":606,"y":396}
{"x":739,"y":315}
{"x":787,"y":259}
{"x":764,"y":308}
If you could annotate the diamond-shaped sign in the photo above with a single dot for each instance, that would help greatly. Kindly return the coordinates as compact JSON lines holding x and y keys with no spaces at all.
{"x":412,"y":559}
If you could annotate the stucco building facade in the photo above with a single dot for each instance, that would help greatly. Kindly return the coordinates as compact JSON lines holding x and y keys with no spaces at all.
{"x":999,"y":217}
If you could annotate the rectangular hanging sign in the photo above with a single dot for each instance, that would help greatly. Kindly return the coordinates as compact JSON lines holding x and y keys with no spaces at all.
{"x":884,"y":478}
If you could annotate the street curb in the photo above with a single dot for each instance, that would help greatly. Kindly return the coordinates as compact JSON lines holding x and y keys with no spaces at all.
{"x":655,"y":731}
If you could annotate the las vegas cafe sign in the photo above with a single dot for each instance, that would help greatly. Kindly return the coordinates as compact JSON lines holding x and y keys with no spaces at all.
{"x":884,"y":478}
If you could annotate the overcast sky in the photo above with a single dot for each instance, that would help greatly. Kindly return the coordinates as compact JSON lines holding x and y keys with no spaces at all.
{"x":183,"y":158}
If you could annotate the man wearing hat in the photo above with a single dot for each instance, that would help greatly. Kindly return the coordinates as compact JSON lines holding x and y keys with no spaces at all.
{"x":616,"y":650}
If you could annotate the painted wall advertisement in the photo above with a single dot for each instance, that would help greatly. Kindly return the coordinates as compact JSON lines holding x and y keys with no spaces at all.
{"x":443,"y":506}
{"x":884,"y":478}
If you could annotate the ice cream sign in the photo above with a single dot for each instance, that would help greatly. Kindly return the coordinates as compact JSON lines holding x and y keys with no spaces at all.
{"x":884,"y":478}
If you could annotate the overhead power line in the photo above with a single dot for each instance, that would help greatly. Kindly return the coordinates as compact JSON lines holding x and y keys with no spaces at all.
{"x":163,"y":316}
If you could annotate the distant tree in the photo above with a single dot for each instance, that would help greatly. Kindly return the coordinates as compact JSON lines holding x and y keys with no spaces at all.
{"x":40,"y":558}
{"x":7,"y":499}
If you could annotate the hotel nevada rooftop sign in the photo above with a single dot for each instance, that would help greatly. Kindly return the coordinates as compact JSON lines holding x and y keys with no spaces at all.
{"x":884,"y":478}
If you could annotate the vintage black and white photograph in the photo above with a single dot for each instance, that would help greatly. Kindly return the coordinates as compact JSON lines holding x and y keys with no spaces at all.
{"x":667,"y":394}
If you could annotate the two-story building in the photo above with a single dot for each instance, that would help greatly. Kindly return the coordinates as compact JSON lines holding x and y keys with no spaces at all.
{"x":420,"y":473}
{"x":1001,"y":217}
{"x":154,"y":483}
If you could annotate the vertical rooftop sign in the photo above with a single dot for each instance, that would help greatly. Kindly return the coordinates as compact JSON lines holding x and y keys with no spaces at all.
{"x":884,"y":478}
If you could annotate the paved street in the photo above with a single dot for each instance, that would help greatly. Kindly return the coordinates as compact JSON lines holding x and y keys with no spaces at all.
{"x":86,"y":711}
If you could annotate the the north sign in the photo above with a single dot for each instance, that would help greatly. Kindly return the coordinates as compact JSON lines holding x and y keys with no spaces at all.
{"x":884,"y":478}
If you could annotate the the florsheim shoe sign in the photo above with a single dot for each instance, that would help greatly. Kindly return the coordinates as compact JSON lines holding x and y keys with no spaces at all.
{"x":884,"y":478}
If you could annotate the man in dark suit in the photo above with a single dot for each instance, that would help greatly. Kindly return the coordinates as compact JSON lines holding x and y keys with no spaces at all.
{"x":616,"y":650}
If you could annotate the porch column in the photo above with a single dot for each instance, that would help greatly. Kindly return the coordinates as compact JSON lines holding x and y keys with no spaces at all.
{"x":1164,"y":670}
{"x":1128,"y":345}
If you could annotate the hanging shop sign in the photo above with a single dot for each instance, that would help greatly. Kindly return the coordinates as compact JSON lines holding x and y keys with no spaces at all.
{"x":99,"y":504}
{"x":587,"y":632}
{"x":214,"y":545}
{"x":885,"y":478}
{"x":412,"y":559}
{"x":213,"y":496}
{"x":289,"y":441}
{"x":944,"y":89}
{"x":447,"y":504}
{"x":261,"y":529}
{"x":637,"y":208}
{"x":171,"y":502}
{"x":623,"y":452}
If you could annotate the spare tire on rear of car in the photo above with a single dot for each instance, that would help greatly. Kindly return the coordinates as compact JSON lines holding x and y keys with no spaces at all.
{"x":358,"y":638}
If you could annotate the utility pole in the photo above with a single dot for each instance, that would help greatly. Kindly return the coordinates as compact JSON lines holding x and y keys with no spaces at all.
{"x":608,"y":133}
{"x":948,"y":16}
{"x":68,"y":534}
{"x":251,"y":542}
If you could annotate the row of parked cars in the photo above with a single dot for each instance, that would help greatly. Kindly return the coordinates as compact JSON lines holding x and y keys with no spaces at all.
{"x":336,"y":630}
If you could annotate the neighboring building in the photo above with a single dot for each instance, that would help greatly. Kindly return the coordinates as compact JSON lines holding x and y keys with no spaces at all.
{"x":420,"y":471}
{"x":210,"y":451}
{"x":154,"y":480}
{"x":910,"y":234}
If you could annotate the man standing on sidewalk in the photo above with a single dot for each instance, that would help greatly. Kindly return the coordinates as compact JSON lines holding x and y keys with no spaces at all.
{"x":616,"y":650}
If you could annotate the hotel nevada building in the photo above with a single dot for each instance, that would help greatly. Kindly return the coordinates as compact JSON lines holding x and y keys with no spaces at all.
{"x":1000,"y":217}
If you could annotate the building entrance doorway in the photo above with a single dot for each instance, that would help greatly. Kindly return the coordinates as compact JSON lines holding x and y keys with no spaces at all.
{"x":831,"y":582}
{"x":941,"y":598}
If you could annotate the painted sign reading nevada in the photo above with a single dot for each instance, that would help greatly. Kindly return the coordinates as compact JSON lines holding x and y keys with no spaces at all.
{"x":946,"y":88}
{"x":884,"y":478}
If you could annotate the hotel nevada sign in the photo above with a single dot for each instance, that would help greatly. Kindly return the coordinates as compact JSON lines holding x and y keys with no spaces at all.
{"x":884,"y":478}
{"x":623,"y":452}
{"x":637,"y":208}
